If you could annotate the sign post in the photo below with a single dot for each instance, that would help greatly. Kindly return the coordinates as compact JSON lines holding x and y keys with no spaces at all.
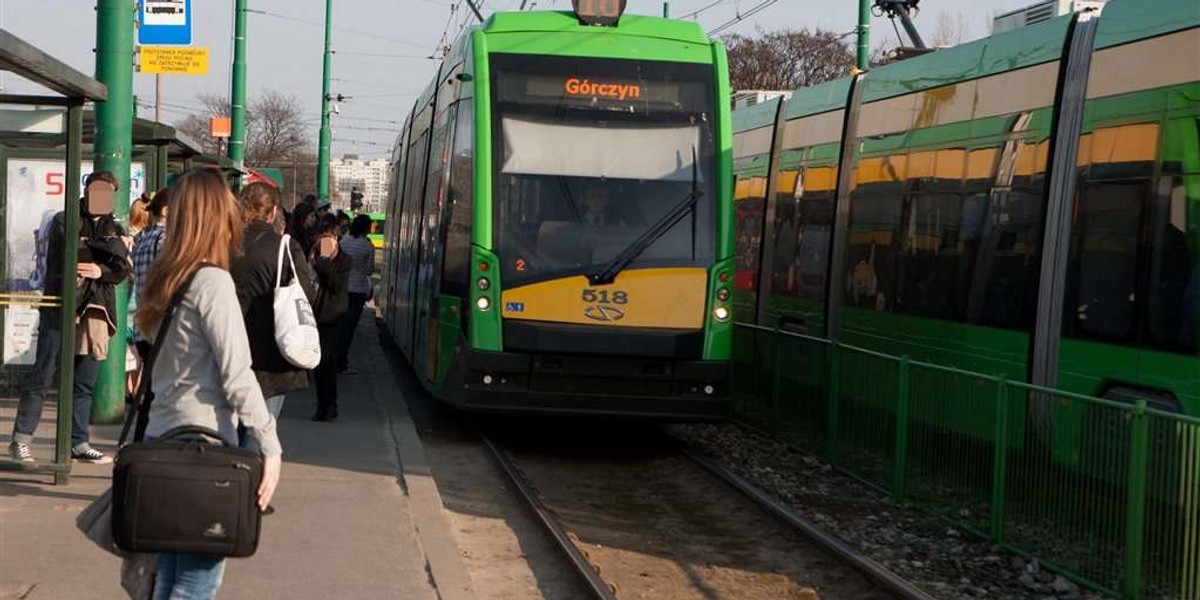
{"x":165,"y":22}
{"x":114,"y":144}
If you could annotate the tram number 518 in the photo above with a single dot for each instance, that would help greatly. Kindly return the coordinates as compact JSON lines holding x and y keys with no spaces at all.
{"x":603,"y":296}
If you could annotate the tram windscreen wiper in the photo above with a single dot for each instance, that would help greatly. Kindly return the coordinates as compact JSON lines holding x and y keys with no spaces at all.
{"x":609,"y":272}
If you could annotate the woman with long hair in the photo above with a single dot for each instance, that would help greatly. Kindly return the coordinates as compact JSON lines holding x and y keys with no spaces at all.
{"x":202,"y":375}
{"x":255,"y":272}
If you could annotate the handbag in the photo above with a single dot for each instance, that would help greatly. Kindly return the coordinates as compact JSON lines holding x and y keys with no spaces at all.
{"x":181,"y":493}
{"x":296,"y":332}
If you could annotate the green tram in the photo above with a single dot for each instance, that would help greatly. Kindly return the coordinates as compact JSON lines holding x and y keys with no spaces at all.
{"x":559,"y":221}
{"x":1025,"y":205}
{"x":378,"y":223}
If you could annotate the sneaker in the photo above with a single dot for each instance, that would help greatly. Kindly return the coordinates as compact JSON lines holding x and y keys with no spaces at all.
{"x":349,"y":371}
{"x":92,"y":455}
{"x":21,"y":453}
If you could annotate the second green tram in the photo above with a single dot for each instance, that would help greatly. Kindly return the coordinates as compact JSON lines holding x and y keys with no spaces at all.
{"x":559,"y":220}
{"x":1025,"y":205}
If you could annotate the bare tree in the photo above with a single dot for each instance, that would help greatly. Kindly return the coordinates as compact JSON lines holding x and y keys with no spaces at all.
{"x":786,"y":60}
{"x":951,"y":29}
{"x":196,"y":127}
{"x":276,"y":136}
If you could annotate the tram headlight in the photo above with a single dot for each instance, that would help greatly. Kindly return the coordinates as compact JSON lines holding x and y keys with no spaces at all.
{"x":721,"y":314}
{"x":483,"y":303}
{"x":483,"y":284}
{"x":723,"y":295}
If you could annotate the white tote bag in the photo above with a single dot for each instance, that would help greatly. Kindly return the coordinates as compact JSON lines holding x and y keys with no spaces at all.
{"x":295,"y":326}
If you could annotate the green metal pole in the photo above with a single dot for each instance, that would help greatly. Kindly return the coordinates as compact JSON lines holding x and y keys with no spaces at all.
{"x":864,"y":34}
{"x":900,"y":460}
{"x":666,"y":10}
{"x":323,"y":148}
{"x":999,"y":461}
{"x":834,"y":403}
{"x":114,"y":145}
{"x":237,"y":92}
{"x":1135,"y":517}
{"x":66,"y":355}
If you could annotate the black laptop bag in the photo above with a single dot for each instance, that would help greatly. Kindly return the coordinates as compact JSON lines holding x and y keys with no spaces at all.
{"x":182,"y":492}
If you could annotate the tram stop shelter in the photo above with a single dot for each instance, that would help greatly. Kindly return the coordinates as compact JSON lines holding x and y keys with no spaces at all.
{"x":51,"y":123}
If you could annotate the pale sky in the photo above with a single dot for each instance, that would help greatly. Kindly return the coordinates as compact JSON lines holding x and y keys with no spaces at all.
{"x":379,"y":45}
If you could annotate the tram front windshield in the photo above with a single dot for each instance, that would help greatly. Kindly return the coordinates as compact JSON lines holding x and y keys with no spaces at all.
{"x":590,"y":154}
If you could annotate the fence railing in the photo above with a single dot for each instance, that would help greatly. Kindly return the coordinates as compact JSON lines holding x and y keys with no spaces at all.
{"x":1104,"y":492}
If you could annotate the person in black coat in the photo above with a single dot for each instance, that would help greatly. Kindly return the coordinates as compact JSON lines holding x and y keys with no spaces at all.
{"x":103,"y":264}
{"x":333,"y":272}
{"x":254,"y":273}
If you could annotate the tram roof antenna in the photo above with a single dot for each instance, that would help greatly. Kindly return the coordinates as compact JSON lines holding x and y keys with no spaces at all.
{"x":903,"y":10}
{"x":475,"y":9}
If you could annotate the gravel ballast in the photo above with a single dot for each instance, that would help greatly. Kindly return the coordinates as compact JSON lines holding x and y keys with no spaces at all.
{"x":924,"y":549}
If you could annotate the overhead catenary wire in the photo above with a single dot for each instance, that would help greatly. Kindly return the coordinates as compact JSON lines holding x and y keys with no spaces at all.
{"x":696,"y":13}
{"x":757,"y":8}
{"x":338,"y":28}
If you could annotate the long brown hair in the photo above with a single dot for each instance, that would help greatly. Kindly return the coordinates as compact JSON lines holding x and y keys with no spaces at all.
{"x":203,"y":227}
{"x":258,"y":201}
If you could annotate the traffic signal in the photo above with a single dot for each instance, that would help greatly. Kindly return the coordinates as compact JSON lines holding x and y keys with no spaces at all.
{"x":356,"y":199}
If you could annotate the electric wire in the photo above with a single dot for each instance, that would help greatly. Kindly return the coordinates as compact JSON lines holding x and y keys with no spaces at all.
{"x":743,"y":16}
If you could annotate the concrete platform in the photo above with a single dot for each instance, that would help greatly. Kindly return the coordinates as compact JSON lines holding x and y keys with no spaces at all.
{"x":356,"y":518}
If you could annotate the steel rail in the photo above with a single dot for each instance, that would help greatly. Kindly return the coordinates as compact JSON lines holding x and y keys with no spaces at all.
{"x":589,"y":573}
{"x":881,"y":575}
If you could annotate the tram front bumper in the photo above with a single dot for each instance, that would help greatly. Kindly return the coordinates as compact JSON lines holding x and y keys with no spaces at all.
{"x":619,"y":386}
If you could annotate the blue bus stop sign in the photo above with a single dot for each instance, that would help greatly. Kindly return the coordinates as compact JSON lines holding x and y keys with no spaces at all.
{"x":164,"y":22}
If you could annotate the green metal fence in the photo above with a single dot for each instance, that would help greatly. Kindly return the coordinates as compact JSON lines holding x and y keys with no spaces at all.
{"x":1104,"y":492}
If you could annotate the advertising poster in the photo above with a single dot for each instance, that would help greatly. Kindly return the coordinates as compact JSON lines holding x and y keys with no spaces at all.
{"x":20,"y":335}
{"x":33,"y":195}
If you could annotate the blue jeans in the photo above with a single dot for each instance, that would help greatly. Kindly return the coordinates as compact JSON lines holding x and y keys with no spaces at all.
{"x":29,"y":407}
{"x":275,"y":407}
{"x":188,"y":576}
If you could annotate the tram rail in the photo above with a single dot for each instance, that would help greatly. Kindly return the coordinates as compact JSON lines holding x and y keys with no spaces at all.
{"x":886,"y":584}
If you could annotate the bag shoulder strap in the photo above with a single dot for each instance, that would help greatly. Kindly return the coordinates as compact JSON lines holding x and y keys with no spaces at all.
{"x":144,"y":395}
{"x":284,"y":248}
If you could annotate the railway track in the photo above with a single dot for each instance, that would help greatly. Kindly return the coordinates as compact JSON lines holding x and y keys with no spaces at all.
{"x":660,"y":521}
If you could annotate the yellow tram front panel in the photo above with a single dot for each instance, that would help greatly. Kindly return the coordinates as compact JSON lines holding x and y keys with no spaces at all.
{"x":670,"y":298}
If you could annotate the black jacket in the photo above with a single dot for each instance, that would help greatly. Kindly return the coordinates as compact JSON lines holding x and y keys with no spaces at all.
{"x":254,"y":275}
{"x":334,"y":296}
{"x":100,"y":242}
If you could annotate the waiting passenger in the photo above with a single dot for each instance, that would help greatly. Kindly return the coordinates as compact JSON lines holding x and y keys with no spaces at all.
{"x":103,"y":262}
{"x":255,"y":273}
{"x":333,"y":273}
{"x":362,"y":258}
{"x":205,"y":378}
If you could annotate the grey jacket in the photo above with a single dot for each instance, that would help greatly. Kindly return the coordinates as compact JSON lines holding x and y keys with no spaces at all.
{"x":202,"y":375}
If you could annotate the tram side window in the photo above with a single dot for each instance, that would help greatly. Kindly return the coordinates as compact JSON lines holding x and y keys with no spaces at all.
{"x":1173,"y":288}
{"x":928,"y":283}
{"x":749,"y":204}
{"x":455,"y":269}
{"x":872,"y":256}
{"x":804,"y":216}
{"x":1107,"y":245}
{"x":1004,"y":281}
{"x":417,"y":158}
{"x":1103,"y":266}
{"x":431,"y":219}
{"x":1173,"y":299}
